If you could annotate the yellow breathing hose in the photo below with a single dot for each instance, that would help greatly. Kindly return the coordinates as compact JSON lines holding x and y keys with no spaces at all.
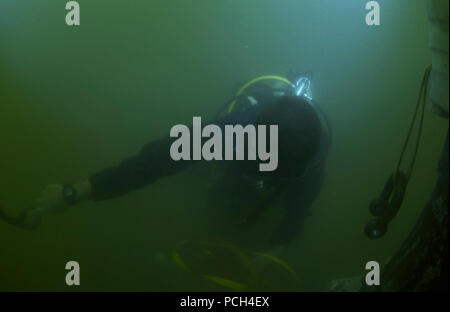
{"x":253,"y":81}
{"x":247,"y":258}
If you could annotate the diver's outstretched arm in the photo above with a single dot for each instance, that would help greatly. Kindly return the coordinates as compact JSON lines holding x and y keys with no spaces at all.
{"x":150,"y":164}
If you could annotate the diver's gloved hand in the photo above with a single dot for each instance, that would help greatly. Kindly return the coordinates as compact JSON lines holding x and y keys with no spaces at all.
{"x":50,"y":201}
{"x":57,"y":198}
{"x":29,"y":218}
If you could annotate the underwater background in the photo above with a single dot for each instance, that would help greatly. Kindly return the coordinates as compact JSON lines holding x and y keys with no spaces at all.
{"x":74,"y":100}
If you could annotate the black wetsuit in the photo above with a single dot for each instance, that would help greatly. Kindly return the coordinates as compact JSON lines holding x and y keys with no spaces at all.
{"x":154,"y":162}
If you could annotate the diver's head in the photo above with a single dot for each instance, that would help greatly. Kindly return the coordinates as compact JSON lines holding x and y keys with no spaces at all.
{"x":299,"y":131}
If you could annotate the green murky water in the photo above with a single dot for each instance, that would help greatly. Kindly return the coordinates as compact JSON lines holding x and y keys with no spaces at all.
{"x":75,"y":100}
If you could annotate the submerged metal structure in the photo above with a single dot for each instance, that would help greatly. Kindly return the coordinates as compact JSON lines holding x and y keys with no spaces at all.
{"x":421,"y":263}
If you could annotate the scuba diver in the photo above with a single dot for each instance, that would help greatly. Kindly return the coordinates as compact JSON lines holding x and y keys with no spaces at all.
{"x":304,"y":141}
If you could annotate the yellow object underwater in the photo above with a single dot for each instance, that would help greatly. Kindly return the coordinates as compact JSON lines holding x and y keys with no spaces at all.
{"x":235,"y":266}
{"x":178,"y":261}
{"x":278,"y":261}
{"x":236,"y":286}
{"x":256,"y":80}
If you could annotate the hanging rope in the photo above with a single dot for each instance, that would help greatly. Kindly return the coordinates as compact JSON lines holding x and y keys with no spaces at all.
{"x":421,"y":104}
